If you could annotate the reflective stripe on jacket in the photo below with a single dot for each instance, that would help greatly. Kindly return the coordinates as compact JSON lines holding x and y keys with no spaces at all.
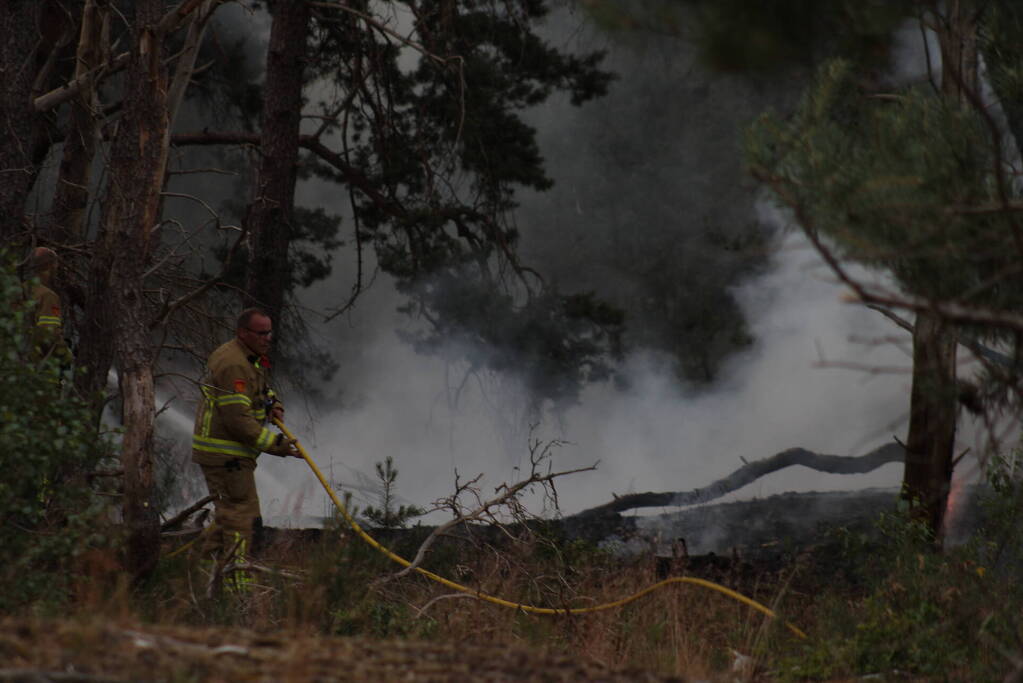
{"x":48,"y":335}
{"x":231,"y":419}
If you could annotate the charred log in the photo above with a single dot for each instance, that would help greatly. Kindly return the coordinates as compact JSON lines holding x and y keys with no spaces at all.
{"x":748,"y":473}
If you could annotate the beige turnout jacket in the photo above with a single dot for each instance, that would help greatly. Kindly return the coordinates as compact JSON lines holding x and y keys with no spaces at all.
{"x":231,"y":421}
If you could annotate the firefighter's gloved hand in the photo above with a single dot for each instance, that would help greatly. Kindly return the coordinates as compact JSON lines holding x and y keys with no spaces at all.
{"x":277,"y":412}
{"x":284,"y":447}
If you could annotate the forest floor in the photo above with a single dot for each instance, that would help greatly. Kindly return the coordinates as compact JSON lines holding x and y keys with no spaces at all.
{"x":782,"y":558}
{"x":95,"y":652}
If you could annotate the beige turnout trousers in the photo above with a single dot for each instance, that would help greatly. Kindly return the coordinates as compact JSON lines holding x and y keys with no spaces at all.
{"x":236,"y":503}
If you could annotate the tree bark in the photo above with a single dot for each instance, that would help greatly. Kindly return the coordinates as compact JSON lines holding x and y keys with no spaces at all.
{"x":269,"y":219}
{"x":116,"y":306}
{"x":71,"y":198}
{"x":930,"y":445}
{"x":19,"y":49}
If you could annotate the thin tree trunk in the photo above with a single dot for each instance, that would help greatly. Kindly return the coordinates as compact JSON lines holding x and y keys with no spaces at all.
{"x":185,"y":67}
{"x":19,"y":47}
{"x":137,"y":167}
{"x":930,"y":444}
{"x":71,"y":198}
{"x":269,"y":219}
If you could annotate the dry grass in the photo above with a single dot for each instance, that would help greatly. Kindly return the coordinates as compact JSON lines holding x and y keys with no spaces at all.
{"x":346,"y":605}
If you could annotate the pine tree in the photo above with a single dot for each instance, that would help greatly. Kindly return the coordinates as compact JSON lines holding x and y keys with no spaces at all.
{"x":913,"y":182}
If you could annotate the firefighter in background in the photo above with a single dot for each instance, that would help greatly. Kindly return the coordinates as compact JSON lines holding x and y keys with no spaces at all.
{"x":43,"y":307}
{"x":48,"y":327}
{"x":231,"y":430}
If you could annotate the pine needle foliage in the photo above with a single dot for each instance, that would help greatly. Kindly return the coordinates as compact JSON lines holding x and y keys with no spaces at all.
{"x":907,"y":181}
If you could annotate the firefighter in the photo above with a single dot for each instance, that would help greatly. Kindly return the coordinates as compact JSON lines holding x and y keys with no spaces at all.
{"x":231,"y":429}
{"x":48,"y":332}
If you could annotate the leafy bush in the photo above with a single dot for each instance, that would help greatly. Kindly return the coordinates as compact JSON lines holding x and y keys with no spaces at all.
{"x":899,"y":606}
{"x":47,"y":510}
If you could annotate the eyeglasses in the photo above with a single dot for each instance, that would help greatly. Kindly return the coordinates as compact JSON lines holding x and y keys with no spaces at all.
{"x":261,"y":333}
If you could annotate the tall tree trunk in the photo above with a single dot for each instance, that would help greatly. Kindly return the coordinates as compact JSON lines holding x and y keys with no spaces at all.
{"x":71,"y":198}
{"x":269,"y":219}
{"x":116,"y":306}
{"x":19,"y":47}
{"x":930,"y":444}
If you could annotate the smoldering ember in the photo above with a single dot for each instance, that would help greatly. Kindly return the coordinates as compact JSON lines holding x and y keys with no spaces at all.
{"x":539,"y":339}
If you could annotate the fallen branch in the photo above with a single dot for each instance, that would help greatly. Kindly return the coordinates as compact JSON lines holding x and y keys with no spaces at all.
{"x":261,"y":569}
{"x":183,"y":534}
{"x":750,"y":472}
{"x":421,"y":611}
{"x":185,"y":514}
{"x":152,"y":641}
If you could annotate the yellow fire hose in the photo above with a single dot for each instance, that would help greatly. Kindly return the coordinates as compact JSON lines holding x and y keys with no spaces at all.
{"x":532,"y":609}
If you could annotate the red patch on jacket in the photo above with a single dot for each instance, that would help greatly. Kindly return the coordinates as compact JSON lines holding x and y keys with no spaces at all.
{"x":56,"y":311}
{"x":264,"y":362}
{"x":239,"y":385}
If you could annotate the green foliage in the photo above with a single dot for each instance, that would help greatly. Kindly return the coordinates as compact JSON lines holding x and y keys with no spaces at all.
{"x":999,"y":37}
{"x":556,"y":342}
{"x":48,"y":513}
{"x":440,"y":145}
{"x":314,"y":238}
{"x":438,"y":148}
{"x":737,"y":35}
{"x":388,"y":516}
{"x":999,"y":547}
{"x":433,"y":147}
{"x":893,"y":604}
{"x":903,"y":182}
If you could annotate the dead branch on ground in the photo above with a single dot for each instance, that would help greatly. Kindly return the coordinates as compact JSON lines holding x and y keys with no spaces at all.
{"x":179,"y":518}
{"x":750,"y":472}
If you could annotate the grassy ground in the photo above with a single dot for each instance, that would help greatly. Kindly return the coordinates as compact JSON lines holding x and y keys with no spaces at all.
{"x":874,"y":601}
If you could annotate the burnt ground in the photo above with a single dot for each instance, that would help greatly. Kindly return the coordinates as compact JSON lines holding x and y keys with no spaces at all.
{"x":784,"y":521}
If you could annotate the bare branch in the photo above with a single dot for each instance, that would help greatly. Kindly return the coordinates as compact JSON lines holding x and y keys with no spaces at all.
{"x":382,"y":28}
{"x":62,"y":94}
{"x":507,"y":498}
{"x":421,"y":611}
{"x":950,"y":311}
{"x":189,"y":53}
{"x":170,"y":307}
{"x":58,"y":96}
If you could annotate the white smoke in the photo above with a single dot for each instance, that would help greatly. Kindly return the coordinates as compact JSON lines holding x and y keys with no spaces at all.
{"x":656,"y":435}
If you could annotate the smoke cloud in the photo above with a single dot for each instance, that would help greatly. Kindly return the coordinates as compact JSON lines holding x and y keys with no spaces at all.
{"x":821,"y":374}
{"x":654,"y":435}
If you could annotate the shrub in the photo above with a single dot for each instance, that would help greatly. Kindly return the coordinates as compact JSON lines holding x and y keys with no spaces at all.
{"x":50,"y":444}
